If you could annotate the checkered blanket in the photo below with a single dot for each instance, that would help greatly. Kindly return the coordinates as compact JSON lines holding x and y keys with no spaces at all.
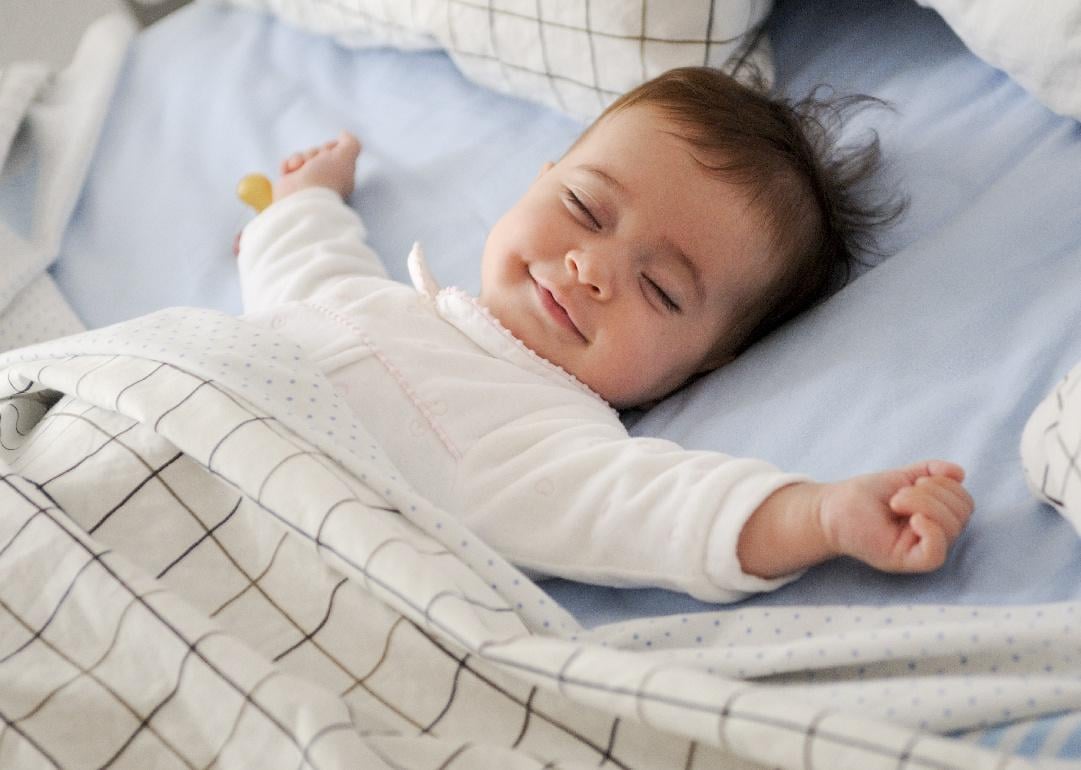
{"x":196,"y":574}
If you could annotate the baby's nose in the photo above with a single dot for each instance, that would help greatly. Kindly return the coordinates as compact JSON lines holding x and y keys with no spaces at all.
{"x":592,"y":270}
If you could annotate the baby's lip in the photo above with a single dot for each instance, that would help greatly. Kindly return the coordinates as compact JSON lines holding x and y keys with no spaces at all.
{"x":557,"y":308}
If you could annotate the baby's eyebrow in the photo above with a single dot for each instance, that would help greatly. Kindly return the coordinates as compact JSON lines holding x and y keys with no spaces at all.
{"x":604,"y":177}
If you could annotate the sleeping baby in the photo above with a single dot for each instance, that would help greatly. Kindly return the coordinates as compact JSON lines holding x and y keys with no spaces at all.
{"x":693,"y":217}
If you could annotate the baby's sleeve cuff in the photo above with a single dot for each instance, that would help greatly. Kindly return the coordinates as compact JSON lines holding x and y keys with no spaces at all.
{"x":723,"y":567}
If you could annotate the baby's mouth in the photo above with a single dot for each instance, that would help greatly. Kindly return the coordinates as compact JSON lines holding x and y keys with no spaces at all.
{"x":556,"y":311}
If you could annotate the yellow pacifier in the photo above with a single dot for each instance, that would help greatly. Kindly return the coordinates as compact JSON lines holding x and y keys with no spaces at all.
{"x":255,"y":190}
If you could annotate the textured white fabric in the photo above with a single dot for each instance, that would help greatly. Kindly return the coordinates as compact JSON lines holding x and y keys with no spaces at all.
{"x":534,"y":462}
{"x":1038,"y":44}
{"x":574,"y":55}
{"x":1051,"y":448}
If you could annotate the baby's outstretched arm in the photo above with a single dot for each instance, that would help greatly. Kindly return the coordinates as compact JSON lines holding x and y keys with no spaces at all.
{"x":332,"y":165}
{"x":902,"y":520}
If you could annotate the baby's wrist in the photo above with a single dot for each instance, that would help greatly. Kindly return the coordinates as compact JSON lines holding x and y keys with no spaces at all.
{"x":785,"y":533}
{"x":287,"y":186}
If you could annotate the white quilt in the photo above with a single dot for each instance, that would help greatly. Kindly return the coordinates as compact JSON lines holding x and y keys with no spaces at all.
{"x":195,"y":572}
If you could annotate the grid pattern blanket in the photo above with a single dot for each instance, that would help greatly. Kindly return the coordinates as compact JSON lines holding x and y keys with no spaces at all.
{"x":205,"y":562}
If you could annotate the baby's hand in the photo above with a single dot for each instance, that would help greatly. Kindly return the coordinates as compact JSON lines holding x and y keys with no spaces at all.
{"x":902,"y":520}
{"x":333,"y":166}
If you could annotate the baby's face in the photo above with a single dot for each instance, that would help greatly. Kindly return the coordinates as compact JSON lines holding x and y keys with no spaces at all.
{"x":627,"y":263}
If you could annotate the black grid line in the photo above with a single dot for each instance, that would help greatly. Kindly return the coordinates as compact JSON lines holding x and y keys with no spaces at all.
{"x":610,"y":748}
{"x":709,"y":32}
{"x":1071,"y":459}
{"x":593,"y":55}
{"x":544,"y":57}
{"x":191,"y":394}
{"x":24,"y":525}
{"x":201,"y":539}
{"x":88,"y":455}
{"x":462,"y":666}
{"x":280,"y":463}
{"x":320,"y":734}
{"x":9,"y":725}
{"x":454,"y":756}
{"x":722,"y":723}
{"x":232,"y":431}
{"x":253,"y":582}
{"x":906,"y":751}
{"x":492,"y":44}
{"x":809,"y":736}
{"x":562,"y":678}
{"x":155,"y":474}
{"x":643,"y":76}
{"x":382,"y":657}
{"x":244,"y":703}
{"x":691,"y":751}
{"x":450,"y":593}
{"x":130,"y":385}
{"x":525,"y":717}
{"x":639,"y":699}
{"x":88,"y":372}
{"x":319,"y":627}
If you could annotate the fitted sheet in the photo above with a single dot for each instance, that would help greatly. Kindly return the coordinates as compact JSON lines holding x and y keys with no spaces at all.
{"x":942,"y":349}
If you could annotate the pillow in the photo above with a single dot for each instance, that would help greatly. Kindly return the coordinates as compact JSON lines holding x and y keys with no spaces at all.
{"x":1038,"y":44}
{"x":576,"y":56}
{"x":1050,"y":446}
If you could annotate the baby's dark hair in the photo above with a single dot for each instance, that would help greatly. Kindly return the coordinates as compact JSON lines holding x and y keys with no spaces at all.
{"x":812,"y":192}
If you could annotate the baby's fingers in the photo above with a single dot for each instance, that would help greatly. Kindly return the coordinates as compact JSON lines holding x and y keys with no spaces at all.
{"x":929,"y":551}
{"x":942,"y":500}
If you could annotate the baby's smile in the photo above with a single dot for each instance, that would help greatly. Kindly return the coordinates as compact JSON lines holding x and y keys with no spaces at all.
{"x":557,"y":307}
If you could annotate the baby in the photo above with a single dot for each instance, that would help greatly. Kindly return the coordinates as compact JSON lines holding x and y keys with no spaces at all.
{"x":691,"y":218}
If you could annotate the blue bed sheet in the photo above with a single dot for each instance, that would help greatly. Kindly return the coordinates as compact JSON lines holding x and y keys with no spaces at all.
{"x":943,"y":349}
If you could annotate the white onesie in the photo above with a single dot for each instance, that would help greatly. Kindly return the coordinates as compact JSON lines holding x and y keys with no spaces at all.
{"x":531,"y":459}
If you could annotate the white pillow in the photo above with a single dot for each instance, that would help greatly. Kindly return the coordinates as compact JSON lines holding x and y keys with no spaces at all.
{"x":574,"y":55}
{"x":1050,"y":448}
{"x":1037,"y":43}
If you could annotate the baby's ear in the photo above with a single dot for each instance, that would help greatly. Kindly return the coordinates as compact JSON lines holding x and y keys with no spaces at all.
{"x":548,"y":165}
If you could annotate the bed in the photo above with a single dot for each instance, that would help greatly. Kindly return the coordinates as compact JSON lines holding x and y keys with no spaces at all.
{"x":944,"y":348}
